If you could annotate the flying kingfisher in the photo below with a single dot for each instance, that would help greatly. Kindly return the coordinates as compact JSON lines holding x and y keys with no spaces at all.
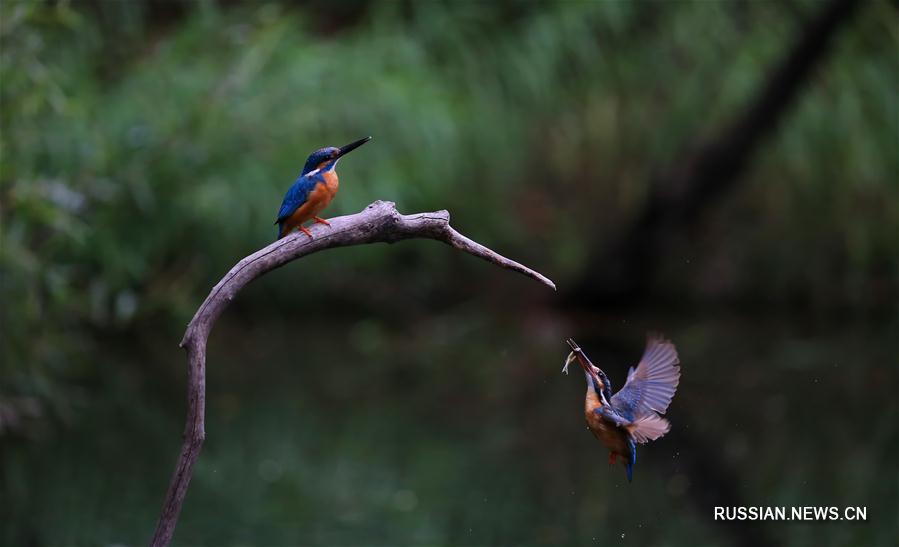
{"x":633,"y":414}
{"x":313,"y":190}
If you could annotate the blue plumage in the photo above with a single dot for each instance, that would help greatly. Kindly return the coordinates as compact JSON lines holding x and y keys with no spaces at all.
{"x":629,"y":465}
{"x":625,"y":402}
{"x":318,"y":157}
{"x":649,"y":387}
{"x":296,"y":195}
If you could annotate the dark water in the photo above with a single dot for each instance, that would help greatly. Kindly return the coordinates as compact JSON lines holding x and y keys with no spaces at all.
{"x":458,"y":428}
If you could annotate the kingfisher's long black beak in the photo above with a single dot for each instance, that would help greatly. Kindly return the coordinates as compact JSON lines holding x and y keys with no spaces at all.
{"x":343,"y":150}
{"x":577,"y":354}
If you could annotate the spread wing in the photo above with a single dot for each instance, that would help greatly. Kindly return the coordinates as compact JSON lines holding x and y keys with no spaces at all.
{"x":296,"y":196}
{"x":650,"y":387}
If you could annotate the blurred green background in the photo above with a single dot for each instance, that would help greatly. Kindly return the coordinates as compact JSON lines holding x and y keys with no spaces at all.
{"x":410,"y":394}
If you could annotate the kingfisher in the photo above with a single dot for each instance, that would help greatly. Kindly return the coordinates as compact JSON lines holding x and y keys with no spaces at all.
{"x":313,"y":190}
{"x":633,"y":415}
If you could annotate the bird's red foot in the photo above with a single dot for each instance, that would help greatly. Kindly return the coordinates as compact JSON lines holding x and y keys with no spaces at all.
{"x":612,"y":457}
{"x":305,"y":231}
{"x":321,"y":221}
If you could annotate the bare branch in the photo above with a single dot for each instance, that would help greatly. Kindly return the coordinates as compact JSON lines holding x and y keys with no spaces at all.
{"x":379,"y":222}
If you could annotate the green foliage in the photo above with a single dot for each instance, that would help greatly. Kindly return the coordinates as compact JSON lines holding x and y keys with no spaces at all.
{"x":132,"y":190}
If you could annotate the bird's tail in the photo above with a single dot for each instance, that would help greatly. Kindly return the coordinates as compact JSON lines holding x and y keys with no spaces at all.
{"x":631,"y":460}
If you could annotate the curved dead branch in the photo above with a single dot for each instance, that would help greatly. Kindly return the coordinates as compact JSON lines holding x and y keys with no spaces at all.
{"x":380,"y":222}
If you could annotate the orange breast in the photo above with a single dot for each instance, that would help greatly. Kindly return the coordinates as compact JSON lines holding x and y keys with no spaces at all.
{"x":316,"y":201}
{"x":613,"y":438}
{"x":331,"y":182}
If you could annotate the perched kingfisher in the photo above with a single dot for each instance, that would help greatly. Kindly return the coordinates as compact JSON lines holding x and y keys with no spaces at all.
{"x":633,"y":414}
{"x":313,"y":190}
